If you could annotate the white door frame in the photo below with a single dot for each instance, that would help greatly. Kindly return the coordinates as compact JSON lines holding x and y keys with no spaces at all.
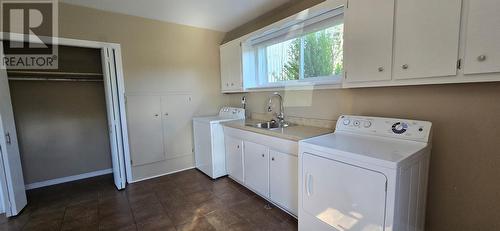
{"x":118,"y":87}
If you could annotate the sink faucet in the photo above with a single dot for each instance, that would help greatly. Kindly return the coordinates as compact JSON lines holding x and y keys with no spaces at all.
{"x":280,"y":116}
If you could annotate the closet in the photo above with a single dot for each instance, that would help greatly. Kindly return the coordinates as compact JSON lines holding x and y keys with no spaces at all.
{"x":64,"y":124}
{"x":60,"y":118}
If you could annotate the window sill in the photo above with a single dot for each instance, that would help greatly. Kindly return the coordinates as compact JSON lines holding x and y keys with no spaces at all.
{"x":296,"y":86}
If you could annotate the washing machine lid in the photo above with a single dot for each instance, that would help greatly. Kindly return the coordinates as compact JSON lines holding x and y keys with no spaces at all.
{"x":381,"y":151}
{"x":213,"y":119}
{"x":225,"y":114}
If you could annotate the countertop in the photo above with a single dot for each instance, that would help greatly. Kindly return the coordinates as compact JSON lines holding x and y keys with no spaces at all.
{"x":294,"y":133}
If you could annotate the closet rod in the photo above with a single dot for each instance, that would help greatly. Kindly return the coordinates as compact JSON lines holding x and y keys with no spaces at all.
{"x":55,"y":79}
{"x":54,"y":73}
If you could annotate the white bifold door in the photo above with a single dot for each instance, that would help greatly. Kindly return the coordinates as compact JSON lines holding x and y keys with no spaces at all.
{"x":11,"y":175}
{"x":115,"y":105}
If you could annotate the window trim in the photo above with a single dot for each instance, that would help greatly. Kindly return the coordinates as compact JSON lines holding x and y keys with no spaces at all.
{"x":333,"y":81}
{"x":252,"y":82}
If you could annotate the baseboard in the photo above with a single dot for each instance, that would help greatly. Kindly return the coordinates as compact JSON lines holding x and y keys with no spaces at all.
{"x":67,"y":179}
{"x":164,"y":174}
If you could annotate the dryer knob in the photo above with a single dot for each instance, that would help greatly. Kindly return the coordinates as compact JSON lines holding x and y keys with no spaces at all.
{"x":346,"y":122}
{"x":399,"y":127}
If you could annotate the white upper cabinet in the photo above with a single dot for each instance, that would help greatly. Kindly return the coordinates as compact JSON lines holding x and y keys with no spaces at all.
{"x":426,"y":38}
{"x":482,"y":41}
{"x":231,"y":67}
{"x":368,"y":40}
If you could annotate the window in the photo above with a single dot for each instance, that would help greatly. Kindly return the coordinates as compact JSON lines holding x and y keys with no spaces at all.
{"x":305,"y":53}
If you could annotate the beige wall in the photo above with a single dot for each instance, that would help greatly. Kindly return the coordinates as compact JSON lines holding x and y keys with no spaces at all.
{"x":464,"y":188}
{"x":158,"y":58}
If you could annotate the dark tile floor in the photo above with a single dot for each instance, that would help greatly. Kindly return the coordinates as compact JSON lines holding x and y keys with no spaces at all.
{"x":187,"y":200}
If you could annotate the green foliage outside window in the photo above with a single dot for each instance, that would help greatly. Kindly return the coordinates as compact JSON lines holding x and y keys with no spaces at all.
{"x":322,"y":51}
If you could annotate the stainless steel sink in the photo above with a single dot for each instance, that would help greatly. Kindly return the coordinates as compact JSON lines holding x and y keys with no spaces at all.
{"x":270,"y":125}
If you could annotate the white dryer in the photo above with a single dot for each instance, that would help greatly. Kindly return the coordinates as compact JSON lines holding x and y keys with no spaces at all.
{"x":209,"y":149}
{"x":369,"y":175}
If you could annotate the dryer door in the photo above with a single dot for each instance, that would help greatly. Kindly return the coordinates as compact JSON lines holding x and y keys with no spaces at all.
{"x":343,"y":196}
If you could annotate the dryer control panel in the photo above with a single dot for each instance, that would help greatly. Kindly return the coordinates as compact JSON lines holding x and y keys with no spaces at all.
{"x":387,"y":127}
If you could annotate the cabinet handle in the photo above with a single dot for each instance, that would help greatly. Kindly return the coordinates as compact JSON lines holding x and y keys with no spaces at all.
{"x":166,"y":114}
{"x":405,"y":66}
{"x":156,"y":115}
{"x":262,"y":155}
{"x":380,"y":69}
{"x":8,"y":140}
{"x":232,"y":84}
{"x":238,"y":147}
{"x":227,"y":84}
{"x":481,"y":58}
{"x":272,"y":159}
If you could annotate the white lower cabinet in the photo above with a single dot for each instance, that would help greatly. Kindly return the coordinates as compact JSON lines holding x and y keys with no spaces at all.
{"x":160,"y":127}
{"x":264,"y":164}
{"x":256,"y":167}
{"x":146,"y":132}
{"x":234,"y":158}
{"x":283,"y":180}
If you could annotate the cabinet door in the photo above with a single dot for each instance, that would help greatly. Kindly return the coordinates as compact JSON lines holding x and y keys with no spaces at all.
{"x":368,"y":40}
{"x":230,"y":61}
{"x":284,"y":180}
{"x":234,"y":158}
{"x":426,"y":38}
{"x":257,"y":168}
{"x":482,"y":49}
{"x":177,"y":115}
{"x":145,"y":128}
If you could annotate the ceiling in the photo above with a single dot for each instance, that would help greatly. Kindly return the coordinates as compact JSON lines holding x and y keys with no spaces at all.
{"x":220,"y":15}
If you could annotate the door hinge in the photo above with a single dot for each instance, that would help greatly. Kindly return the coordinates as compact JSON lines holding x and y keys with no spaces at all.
{"x":459,"y":64}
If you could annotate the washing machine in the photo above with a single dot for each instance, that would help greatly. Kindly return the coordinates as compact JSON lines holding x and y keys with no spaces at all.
{"x":369,"y":175}
{"x":209,"y":148}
